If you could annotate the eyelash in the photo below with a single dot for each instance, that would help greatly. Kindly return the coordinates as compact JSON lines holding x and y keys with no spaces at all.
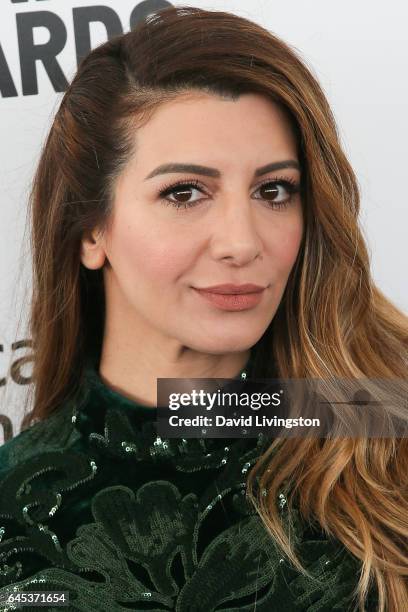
{"x":290,"y":185}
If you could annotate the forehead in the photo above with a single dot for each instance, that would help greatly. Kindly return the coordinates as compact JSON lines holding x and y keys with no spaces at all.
{"x":185,"y":126}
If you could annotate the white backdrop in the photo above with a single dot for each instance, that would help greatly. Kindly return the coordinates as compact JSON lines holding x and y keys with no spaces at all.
{"x":357,"y":50}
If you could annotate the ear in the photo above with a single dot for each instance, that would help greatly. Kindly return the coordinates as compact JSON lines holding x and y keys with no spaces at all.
{"x":92,"y":250}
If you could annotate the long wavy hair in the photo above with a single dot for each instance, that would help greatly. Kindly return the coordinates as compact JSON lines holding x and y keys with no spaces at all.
{"x":332,"y":320}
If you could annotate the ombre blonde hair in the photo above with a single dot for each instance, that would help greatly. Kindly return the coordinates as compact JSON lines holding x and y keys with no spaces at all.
{"x":332,"y":320}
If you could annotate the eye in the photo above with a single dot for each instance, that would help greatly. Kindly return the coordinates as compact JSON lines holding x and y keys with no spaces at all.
{"x":271,"y":190}
{"x":183,"y":187}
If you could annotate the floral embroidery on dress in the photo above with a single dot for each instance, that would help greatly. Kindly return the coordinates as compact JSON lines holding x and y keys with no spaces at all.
{"x":102,"y":507}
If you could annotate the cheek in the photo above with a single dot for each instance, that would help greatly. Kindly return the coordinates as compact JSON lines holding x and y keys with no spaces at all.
{"x":138,"y":251}
{"x":284,"y":245}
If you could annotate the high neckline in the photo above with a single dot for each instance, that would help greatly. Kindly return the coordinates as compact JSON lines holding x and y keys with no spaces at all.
{"x":118,"y":426}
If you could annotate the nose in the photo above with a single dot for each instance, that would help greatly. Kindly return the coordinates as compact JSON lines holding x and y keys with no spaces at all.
{"x":236,"y":235}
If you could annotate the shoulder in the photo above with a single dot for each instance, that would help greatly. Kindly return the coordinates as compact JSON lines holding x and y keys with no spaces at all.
{"x":52,"y":433}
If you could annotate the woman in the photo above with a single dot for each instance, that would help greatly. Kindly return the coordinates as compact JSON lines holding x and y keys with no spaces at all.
{"x":94,"y":502}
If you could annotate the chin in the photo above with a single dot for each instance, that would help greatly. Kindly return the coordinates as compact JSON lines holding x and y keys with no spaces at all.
{"x":221,"y":344}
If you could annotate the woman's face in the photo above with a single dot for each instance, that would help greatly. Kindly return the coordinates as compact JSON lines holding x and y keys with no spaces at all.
{"x":228,"y":228}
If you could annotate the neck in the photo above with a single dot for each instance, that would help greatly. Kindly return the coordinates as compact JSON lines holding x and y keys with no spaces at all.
{"x":134,"y":373}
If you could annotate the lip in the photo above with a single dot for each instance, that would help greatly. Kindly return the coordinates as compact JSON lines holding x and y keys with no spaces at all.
{"x":231,"y":289}
{"x":232,"y":301}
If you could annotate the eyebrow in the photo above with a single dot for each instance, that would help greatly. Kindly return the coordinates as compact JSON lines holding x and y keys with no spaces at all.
{"x":213,"y":172}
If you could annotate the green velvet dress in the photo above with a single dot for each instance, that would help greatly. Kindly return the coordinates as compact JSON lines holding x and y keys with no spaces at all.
{"x":93,"y":502}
